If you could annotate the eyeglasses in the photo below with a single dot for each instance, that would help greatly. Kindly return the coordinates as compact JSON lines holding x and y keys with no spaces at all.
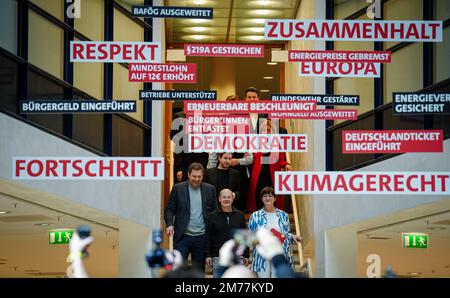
{"x":268,"y":196}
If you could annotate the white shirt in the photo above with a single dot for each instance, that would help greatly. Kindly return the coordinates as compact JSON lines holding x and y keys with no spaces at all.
{"x":272,"y":220}
{"x":254,"y":119}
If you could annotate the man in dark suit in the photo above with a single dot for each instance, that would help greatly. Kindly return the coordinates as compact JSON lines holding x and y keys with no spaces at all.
{"x":190,"y":202}
{"x":224,"y":177}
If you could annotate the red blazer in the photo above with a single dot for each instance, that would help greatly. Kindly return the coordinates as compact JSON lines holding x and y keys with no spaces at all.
{"x":280,"y":163}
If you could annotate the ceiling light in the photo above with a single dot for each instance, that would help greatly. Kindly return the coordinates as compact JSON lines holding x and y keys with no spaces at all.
{"x":198,"y":37}
{"x":264,"y":90}
{"x":436,"y":228}
{"x":259,"y":21}
{"x":44,"y":224}
{"x":199,"y":2}
{"x":264,"y":2}
{"x":3,"y":212}
{"x":257,"y":29}
{"x":377,"y":237}
{"x":414,"y":273}
{"x":262,"y":12}
{"x":199,"y":21}
{"x":268,"y":78}
{"x":255,"y":37}
{"x":272,"y":63}
{"x":199,"y":29}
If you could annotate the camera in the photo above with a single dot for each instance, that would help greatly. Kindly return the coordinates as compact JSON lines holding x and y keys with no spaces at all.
{"x":84,"y":232}
{"x":246,"y":238}
{"x":156,"y":258}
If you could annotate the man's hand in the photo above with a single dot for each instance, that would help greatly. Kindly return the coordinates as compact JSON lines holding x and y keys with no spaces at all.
{"x":297,"y":238}
{"x":208,"y":262}
{"x":169,"y":231}
{"x":234,"y":162}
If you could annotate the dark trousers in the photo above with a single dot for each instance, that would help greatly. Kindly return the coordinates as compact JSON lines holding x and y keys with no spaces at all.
{"x":195,"y":245}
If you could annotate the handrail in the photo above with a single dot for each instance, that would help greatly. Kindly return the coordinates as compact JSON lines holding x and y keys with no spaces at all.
{"x":296,"y":218}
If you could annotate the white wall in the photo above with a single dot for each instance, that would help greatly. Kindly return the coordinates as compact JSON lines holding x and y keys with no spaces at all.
{"x":124,"y":199}
{"x":339,"y":210}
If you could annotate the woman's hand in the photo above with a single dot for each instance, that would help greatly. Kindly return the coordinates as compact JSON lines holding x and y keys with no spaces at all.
{"x":297,"y":238}
{"x":287,"y":167}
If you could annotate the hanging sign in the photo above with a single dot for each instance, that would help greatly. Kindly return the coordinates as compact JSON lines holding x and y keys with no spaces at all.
{"x":354,"y":30}
{"x":324,"y":114}
{"x":217,"y":124}
{"x":76,"y":106}
{"x":177,"y":94}
{"x":339,"y":56}
{"x":171,"y":12}
{"x":247,"y":142}
{"x":224,"y":50}
{"x":115,"y":51}
{"x":420,"y":103}
{"x":362,"y":183}
{"x":92,"y":168}
{"x":163,"y":72}
{"x":339,"y":69}
{"x":392,"y":141}
{"x":245,"y":107}
{"x":322,"y":100}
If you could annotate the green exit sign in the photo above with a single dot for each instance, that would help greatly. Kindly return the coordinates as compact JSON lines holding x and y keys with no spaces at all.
{"x":59,"y":236}
{"x":415,"y":240}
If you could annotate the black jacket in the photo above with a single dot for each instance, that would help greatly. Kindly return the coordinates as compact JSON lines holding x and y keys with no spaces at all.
{"x":179,"y":206}
{"x":234,"y":182}
{"x":219,"y":230}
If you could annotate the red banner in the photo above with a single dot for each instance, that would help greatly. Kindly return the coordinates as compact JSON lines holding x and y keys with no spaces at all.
{"x":163,"y":72}
{"x":245,"y":107}
{"x":391,"y":141}
{"x":224,"y":50}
